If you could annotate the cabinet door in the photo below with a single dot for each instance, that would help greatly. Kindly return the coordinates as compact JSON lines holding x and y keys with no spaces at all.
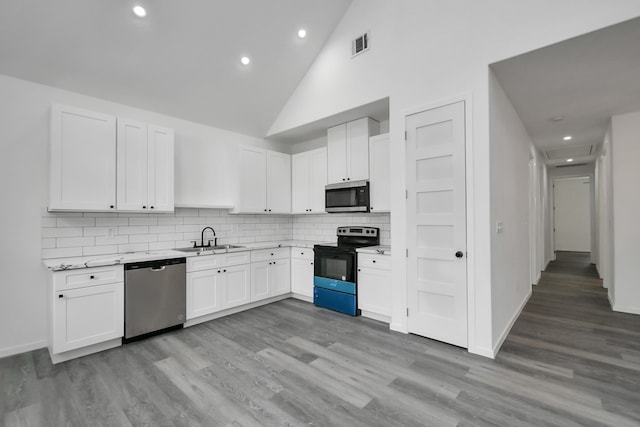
{"x":83,"y":160}
{"x":302,"y":277}
{"x":336,"y":154}
{"x":374,"y":290}
{"x":300,"y":166}
{"x":238,"y":284}
{"x":160,"y":169}
{"x":357,"y":156}
{"x":280,"y":277}
{"x":87,"y":316}
{"x":318,"y":179}
{"x":253,"y":184}
{"x":204,"y":292}
{"x":278,"y":182}
{"x":260,"y":280}
{"x":132,"y":165}
{"x":379,"y":168}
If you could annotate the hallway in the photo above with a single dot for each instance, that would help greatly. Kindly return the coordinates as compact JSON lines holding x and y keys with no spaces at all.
{"x":568,"y":336}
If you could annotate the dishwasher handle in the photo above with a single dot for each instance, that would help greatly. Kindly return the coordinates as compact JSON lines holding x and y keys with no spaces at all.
{"x":158,"y":268}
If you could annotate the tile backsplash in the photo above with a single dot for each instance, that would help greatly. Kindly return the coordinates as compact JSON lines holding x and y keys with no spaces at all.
{"x":70,"y":234}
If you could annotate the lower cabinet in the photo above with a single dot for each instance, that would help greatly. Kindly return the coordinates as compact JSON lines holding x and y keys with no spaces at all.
{"x":212,"y":285}
{"x":302,"y":273}
{"x":86,"y":309}
{"x":270,"y":273}
{"x":374,"y":286}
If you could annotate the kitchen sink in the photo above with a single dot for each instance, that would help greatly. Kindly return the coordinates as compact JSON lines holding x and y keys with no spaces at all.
{"x":210,"y":248}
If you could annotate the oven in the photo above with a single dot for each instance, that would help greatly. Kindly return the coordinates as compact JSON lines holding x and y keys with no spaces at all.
{"x":335,"y":269}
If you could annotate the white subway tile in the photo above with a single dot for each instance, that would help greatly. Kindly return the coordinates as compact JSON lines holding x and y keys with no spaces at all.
{"x":136,"y":247}
{"x":143,"y":220}
{"x":194,"y":220}
{"x":97,"y":231}
{"x":143,"y":238}
{"x":75,"y":222}
{"x":61,"y":252}
{"x":164,"y":237}
{"x":99,"y":250}
{"x":69,"y":242}
{"x":49,"y":222}
{"x":62,"y":232}
{"x":162,"y":229}
{"x":155,"y":246}
{"x":48,"y":243}
{"x":138,"y":229}
{"x":115,"y":240}
{"x":187,"y":228}
{"x":170,"y":220}
{"x":100,"y":214}
{"x":111,"y":221}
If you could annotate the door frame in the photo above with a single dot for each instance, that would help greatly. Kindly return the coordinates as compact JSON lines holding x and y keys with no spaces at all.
{"x":553,"y":210}
{"x":467,"y":98}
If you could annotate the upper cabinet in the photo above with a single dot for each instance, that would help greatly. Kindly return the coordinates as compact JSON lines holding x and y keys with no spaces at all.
{"x":348,"y":150}
{"x":144,"y":167}
{"x":95,"y":167}
{"x":309,"y":178}
{"x":264,"y":180}
{"x":380,"y":174}
{"x":83,"y":160}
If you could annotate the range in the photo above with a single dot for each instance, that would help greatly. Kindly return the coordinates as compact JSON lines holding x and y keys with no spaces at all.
{"x":335,"y":271}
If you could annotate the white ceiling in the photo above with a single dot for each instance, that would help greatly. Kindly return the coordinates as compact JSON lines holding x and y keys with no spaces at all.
{"x":585,"y":80}
{"x":182,"y":60}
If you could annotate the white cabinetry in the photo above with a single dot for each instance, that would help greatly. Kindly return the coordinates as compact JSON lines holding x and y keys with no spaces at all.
{"x":302,"y":273}
{"x":348,"y":150}
{"x":380,"y":173}
{"x":270,"y":273}
{"x":83,"y":160}
{"x":374,"y":286}
{"x":86,"y":311}
{"x":309,"y":178}
{"x":265,"y":181}
{"x":217,"y":282}
{"x":145,"y":167}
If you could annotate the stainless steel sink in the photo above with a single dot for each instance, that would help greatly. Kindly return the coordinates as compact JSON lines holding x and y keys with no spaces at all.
{"x":210,"y":248}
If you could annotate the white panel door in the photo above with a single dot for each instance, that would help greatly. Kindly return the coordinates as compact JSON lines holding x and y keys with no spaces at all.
{"x":280,"y":277}
{"x":300,"y":165}
{"x":318,"y":178}
{"x":260,"y":280}
{"x":253,"y":183}
{"x":132,"y":165}
{"x":302,"y":277}
{"x":160,"y":169}
{"x":358,"y":149}
{"x":278,"y":182}
{"x":237,"y":286}
{"x":83,"y":160}
{"x":572,"y":214}
{"x":204,"y":292}
{"x":87,"y":316}
{"x":380,"y":173}
{"x":337,"y":154}
{"x":436,"y":230}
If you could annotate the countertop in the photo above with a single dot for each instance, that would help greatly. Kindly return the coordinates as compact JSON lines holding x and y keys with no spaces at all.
{"x":379,"y":250}
{"x":58,"y":264}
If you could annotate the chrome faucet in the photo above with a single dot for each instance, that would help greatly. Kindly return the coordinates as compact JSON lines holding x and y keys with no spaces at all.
{"x":215,"y":239}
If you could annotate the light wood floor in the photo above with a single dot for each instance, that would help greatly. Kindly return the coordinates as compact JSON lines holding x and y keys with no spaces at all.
{"x":569,"y":361}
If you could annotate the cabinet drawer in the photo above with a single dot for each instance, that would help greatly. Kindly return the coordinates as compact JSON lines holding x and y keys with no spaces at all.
{"x":72,"y":279}
{"x":206,"y":262}
{"x":302,"y":253}
{"x":267,"y":254}
{"x":374,"y":261}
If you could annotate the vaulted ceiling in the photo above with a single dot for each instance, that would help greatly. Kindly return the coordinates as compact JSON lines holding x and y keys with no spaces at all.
{"x":182,"y":59}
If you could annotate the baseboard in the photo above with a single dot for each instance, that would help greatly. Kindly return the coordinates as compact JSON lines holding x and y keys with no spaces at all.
{"x":234,"y":310}
{"x":23,"y":348}
{"x":507,"y":329}
{"x":84,"y":351}
{"x":302,"y":297}
{"x":376,"y":316}
{"x":611,"y":304}
{"x":622,"y":309}
{"x":538,"y":277}
{"x":482,"y":351}
{"x":399,"y":327}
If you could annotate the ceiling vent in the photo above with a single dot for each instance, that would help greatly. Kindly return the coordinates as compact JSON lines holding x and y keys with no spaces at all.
{"x":360,"y":44}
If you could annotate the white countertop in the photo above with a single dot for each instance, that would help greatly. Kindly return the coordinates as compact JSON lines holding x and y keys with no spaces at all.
{"x":58,"y":264}
{"x":379,"y":250}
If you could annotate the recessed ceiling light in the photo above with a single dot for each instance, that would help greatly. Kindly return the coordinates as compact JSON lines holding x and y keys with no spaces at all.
{"x":569,"y":160}
{"x":567,"y":138}
{"x":302,"y":33}
{"x":245,"y":60}
{"x":139,"y":11}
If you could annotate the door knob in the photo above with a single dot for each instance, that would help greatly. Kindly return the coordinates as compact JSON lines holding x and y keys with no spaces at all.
{"x":459,"y":254}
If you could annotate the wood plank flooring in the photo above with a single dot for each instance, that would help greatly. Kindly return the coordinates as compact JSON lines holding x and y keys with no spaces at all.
{"x":569,"y":361}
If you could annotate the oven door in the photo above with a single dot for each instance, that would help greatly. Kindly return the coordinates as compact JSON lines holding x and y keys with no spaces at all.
{"x":334,"y":268}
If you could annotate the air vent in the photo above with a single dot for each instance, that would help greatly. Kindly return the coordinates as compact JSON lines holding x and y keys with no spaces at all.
{"x":360,"y":44}
{"x":571,"y":165}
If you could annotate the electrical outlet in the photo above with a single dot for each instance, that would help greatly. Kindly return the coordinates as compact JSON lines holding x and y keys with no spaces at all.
{"x":111,"y":232}
{"x":499,"y":227}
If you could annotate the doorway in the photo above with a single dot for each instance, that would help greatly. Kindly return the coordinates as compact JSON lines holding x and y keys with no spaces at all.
{"x":572,"y":214}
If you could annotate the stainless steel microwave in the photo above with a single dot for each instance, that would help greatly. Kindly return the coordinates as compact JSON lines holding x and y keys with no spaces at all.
{"x":351,"y":196}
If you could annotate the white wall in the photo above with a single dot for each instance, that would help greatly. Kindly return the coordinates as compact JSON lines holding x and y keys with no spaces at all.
{"x":572,"y":214}
{"x":510,"y":180}
{"x":24,"y":120}
{"x":424,"y":53}
{"x":604,"y":224}
{"x":625,"y":151}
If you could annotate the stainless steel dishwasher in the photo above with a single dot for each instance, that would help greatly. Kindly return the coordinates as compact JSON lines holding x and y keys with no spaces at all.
{"x":155,"y":297}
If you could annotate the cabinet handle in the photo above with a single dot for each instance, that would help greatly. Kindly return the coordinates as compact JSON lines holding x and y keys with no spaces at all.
{"x":274,"y":262}
{"x":224,"y":271}
{"x":311,"y":263}
{"x":348,"y":179}
{"x":92,"y":277}
{"x":374,"y":261}
{"x":218,"y":271}
{"x":144,"y":207}
{"x":269,"y":210}
{"x":111,"y":206}
{"x":151,"y":207}
{"x":265,"y":210}
{"x":60,"y":296}
{"x":272,"y":254}
{"x":344,"y":179}
{"x":358,"y":269}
